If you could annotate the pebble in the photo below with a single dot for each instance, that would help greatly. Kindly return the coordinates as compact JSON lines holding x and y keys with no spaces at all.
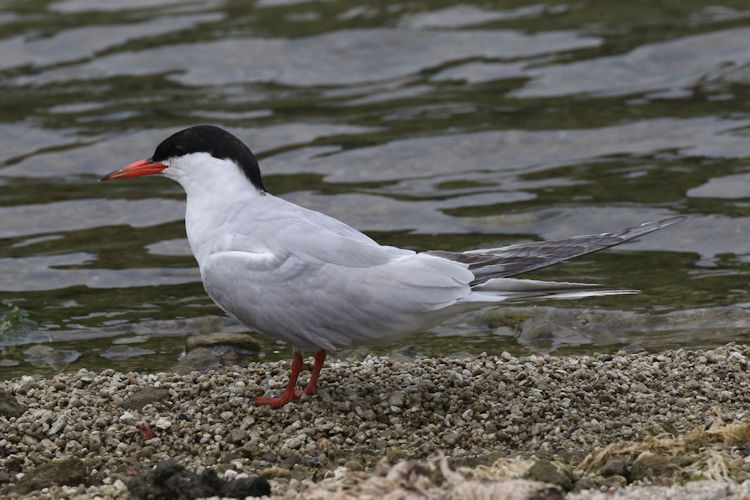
{"x":163,"y":423}
{"x":467,"y":407}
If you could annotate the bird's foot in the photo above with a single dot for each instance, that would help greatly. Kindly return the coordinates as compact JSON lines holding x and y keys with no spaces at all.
{"x":306,"y":392}
{"x":284,"y":398}
{"x":290,"y":394}
{"x":276,"y":402}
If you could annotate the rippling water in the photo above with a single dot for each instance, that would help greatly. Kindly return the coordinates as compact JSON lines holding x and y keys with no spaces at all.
{"x":424,"y":124}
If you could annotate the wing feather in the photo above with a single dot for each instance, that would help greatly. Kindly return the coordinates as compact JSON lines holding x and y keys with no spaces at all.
{"x":314,"y":288}
{"x":509,"y":261}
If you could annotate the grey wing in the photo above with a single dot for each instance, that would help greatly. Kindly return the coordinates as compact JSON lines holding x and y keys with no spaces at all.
{"x":508,"y":261}
{"x":315,"y":289}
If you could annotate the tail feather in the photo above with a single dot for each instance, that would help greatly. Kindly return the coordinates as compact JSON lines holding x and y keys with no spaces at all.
{"x":520,"y":290}
{"x":492,"y":263}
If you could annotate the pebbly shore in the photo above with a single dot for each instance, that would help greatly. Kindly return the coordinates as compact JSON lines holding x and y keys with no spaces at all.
{"x":669,"y":424}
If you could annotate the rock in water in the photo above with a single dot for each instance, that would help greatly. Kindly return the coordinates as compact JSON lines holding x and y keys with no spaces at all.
{"x":241,"y":340}
{"x":121,"y":352}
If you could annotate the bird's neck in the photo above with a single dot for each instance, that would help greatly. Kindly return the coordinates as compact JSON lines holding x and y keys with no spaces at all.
{"x":217,"y":201}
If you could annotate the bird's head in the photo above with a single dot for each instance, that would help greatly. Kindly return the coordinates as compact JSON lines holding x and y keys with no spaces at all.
{"x":203,"y":151}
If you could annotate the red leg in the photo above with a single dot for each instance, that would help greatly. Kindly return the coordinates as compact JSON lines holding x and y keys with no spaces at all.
{"x":289,"y":394}
{"x":320,"y":357}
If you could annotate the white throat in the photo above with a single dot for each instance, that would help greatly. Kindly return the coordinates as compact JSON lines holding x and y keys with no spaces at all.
{"x":216,"y":191}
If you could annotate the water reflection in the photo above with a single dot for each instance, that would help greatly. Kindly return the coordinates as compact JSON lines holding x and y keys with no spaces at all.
{"x":429,"y":126}
{"x":338,"y":58}
{"x":690,"y":63}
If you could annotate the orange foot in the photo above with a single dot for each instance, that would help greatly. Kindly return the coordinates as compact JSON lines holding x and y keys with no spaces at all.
{"x":290,"y":394}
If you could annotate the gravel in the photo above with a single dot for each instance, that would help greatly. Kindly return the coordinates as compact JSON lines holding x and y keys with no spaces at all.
{"x":583,"y":423}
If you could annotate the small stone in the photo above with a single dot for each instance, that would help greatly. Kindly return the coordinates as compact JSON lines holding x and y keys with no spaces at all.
{"x":275,"y":473}
{"x":294,"y":442}
{"x":551,"y":472}
{"x":144,"y":396}
{"x":616,"y":468}
{"x":396,"y":399}
{"x":47,"y":444}
{"x":163,"y":423}
{"x":57,"y":426}
{"x":70,"y":471}
{"x":354,"y":465}
{"x":451,"y":438}
{"x":9,"y":406}
{"x":396,"y":454}
{"x":237,"y":436}
{"x":246,"y":487}
{"x":651,"y":465}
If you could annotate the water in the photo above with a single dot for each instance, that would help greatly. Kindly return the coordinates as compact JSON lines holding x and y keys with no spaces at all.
{"x":425,"y":124}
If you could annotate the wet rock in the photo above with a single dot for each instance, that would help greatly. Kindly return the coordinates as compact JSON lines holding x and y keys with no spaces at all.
{"x":9,"y":406}
{"x":170,"y":480}
{"x":406,"y":354}
{"x":616,"y":468}
{"x":241,"y":340}
{"x":200,"y":359}
{"x":651,"y":465}
{"x":121,"y":352}
{"x":69,"y":472}
{"x":56,"y":358}
{"x":246,"y":487}
{"x":546,"y":471}
{"x":214,"y":350}
{"x":136,"y":339}
{"x":144,"y":396}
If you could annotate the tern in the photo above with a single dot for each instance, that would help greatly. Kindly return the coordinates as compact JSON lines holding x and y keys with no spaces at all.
{"x":318,"y":284}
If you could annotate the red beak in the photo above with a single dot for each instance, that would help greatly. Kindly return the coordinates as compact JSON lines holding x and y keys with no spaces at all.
{"x":137,"y":169}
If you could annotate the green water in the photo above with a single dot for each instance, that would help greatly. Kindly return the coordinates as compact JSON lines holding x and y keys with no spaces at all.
{"x":428,"y":125}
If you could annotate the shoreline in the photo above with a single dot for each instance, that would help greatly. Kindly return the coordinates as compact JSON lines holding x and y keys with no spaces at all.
{"x":653,"y":418}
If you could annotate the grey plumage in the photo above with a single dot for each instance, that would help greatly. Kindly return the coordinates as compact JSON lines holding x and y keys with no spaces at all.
{"x":503,"y":262}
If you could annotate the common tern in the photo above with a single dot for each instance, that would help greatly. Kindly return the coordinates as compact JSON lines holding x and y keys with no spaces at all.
{"x":318,"y":284}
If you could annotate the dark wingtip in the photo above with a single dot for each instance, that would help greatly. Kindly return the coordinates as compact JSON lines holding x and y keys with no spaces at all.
{"x":669,"y":221}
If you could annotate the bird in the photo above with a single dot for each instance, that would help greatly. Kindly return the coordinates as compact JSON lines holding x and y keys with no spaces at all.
{"x":318,"y":284}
